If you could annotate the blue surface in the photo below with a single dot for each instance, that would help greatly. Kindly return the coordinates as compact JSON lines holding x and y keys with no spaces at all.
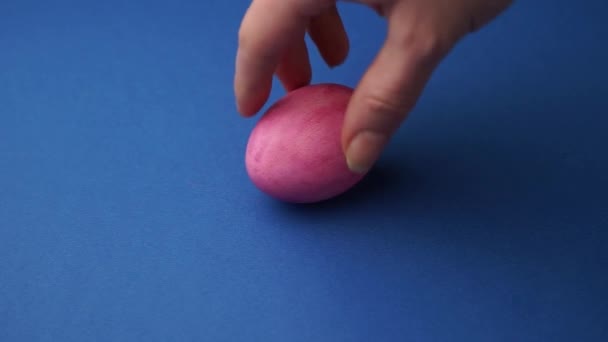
{"x":126,"y":213}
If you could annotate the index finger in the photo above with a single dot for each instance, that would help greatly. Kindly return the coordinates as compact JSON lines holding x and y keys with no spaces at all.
{"x":267,"y":29}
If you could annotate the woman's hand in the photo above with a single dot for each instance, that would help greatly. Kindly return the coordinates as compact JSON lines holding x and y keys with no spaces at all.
{"x":420,"y":34}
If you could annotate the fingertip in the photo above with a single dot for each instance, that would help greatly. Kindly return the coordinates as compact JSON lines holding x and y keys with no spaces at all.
{"x":329,"y":35}
{"x":364,"y":150}
{"x":252,"y":85}
{"x":294,"y":70}
{"x":250,"y":109}
{"x":338,"y":55}
{"x":249,"y":103}
{"x":337,"y":59}
{"x":263,"y":37}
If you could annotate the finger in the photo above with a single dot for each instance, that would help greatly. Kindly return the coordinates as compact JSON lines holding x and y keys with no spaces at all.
{"x":294,"y":70}
{"x":328,"y":33}
{"x":267,"y":30}
{"x":389,"y":90}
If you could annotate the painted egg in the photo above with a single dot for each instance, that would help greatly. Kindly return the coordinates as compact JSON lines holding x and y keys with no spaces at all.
{"x":294,"y":152}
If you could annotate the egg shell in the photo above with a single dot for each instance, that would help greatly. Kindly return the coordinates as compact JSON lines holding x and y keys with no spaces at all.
{"x":294,"y":152}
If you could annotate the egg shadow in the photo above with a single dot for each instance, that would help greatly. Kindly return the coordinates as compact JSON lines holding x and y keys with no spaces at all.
{"x":478,"y":180}
{"x":386,"y":179}
{"x":517,"y":168}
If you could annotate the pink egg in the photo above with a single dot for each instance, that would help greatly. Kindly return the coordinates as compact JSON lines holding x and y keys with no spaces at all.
{"x":294,"y":152}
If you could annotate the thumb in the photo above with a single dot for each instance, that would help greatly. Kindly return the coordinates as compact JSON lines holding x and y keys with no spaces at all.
{"x":388,"y":91}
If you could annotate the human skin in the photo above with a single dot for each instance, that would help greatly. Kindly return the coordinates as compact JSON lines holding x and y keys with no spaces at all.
{"x":420,"y":35}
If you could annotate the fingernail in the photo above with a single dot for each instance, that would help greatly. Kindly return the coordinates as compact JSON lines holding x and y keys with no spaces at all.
{"x":364,"y":150}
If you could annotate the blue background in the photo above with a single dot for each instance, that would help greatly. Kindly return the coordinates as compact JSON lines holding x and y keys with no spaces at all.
{"x":126,"y":213}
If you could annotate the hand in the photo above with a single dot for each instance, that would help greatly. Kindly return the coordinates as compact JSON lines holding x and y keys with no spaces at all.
{"x":420,"y":34}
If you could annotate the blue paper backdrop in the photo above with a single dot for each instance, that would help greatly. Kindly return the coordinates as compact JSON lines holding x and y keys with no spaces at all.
{"x":126,"y":213}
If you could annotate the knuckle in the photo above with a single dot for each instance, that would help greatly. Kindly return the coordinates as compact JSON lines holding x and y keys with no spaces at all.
{"x":382,"y":105}
{"x":383,"y":113}
{"x":424,"y":44}
{"x":428,"y":46}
